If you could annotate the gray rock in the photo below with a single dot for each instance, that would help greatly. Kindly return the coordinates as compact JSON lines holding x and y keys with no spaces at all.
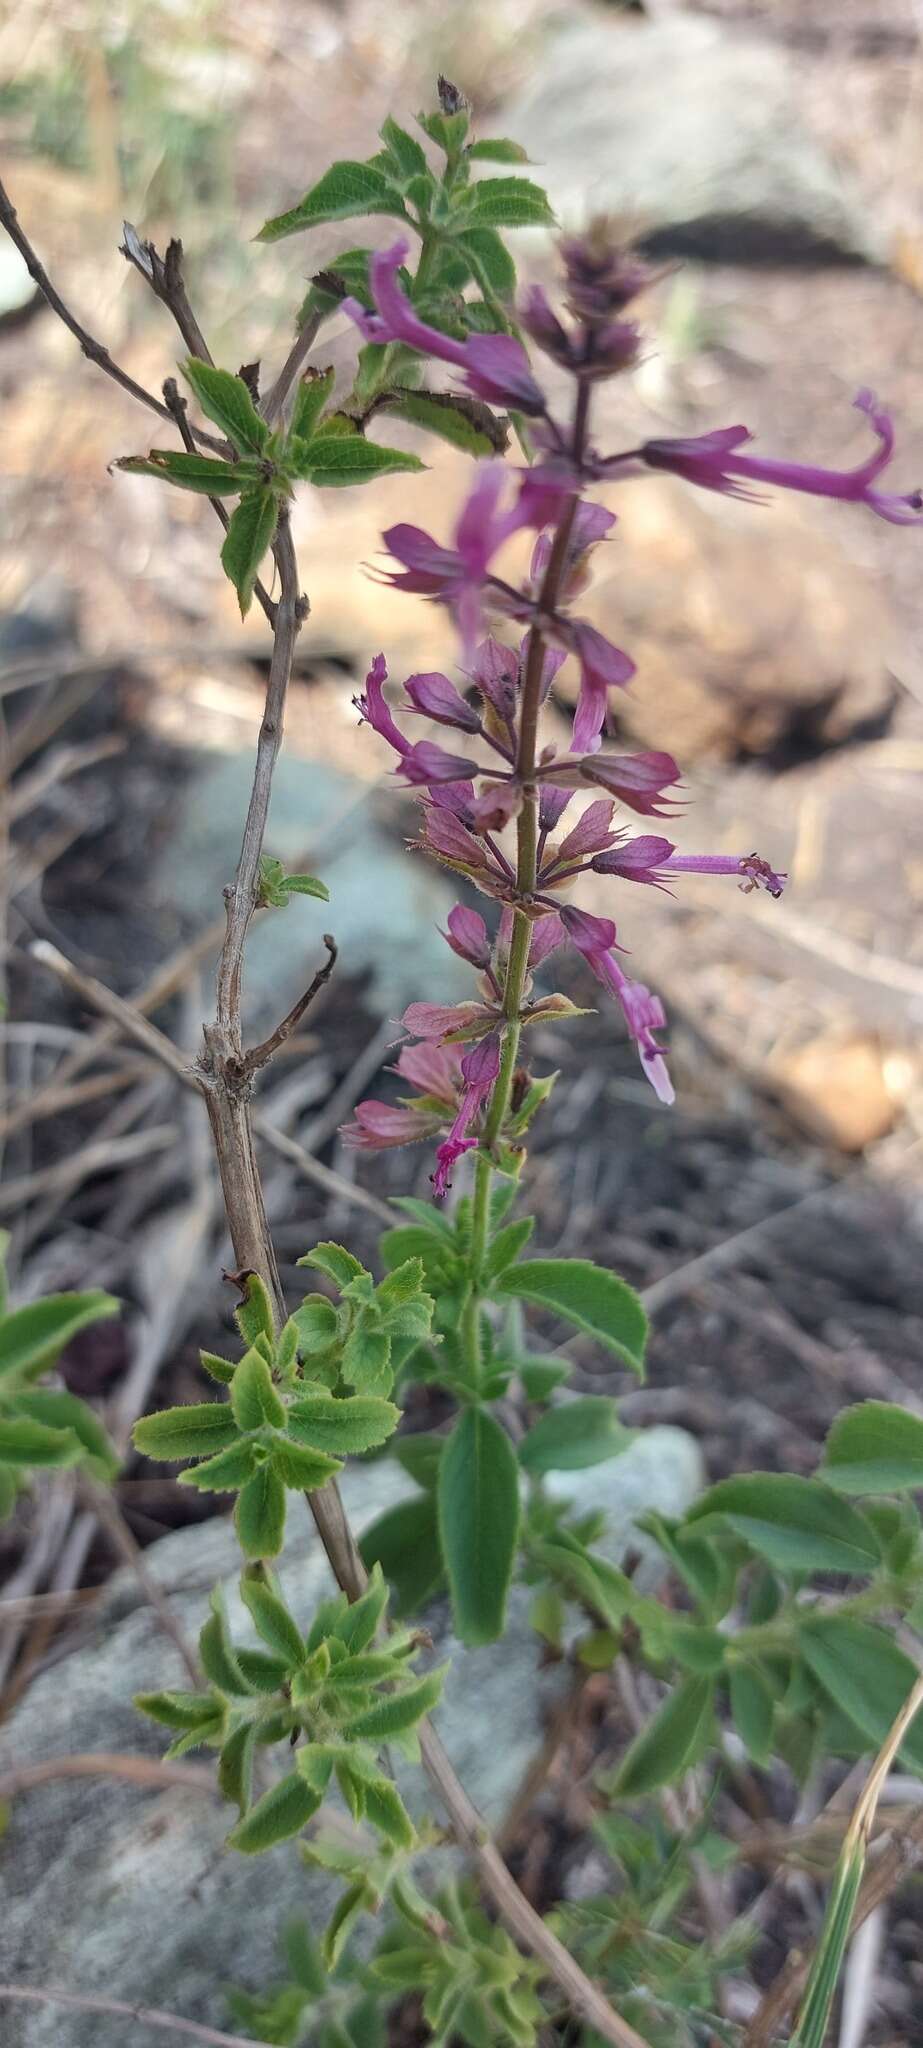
{"x":693,"y":127}
{"x":384,"y":909}
{"x":129,"y":1892}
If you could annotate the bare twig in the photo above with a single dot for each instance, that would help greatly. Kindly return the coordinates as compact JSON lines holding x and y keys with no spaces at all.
{"x":92,"y":349}
{"x":278,"y":392}
{"x":124,"y":1014}
{"x":259,"y":1055}
{"x":118,"y":2008}
{"x":164,"y":274}
{"x":137,"y":1770}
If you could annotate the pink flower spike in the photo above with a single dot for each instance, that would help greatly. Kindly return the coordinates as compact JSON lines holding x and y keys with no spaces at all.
{"x":644,"y":1015}
{"x":479,"y":1068}
{"x":435,"y":697}
{"x":591,"y":935}
{"x":372,"y":707}
{"x":716,"y":462}
{"x":380,"y":1125}
{"x":467,"y":936}
{"x":495,"y":366}
{"x":602,"y":667}
{"x":756,"y":873}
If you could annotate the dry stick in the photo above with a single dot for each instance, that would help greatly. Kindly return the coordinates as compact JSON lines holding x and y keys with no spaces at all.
{"x":278,"y":392}
{"x":259,"y":1055}
{"x":118,"y":2008}
{"x":104,"y":1763}
{"x":92,"y":349}
{"x":164,"y":274}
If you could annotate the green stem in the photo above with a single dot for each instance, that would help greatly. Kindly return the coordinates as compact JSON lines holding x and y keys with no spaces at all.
{"x":517,"y":966}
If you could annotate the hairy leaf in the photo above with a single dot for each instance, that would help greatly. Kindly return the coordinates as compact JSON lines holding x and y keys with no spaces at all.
{"x":354,"y":1423}
{"x":795,"y":1524}
{"x":192,"y":472}
{"x":194,"y":1431}
{"x":226,"y":400}
{"x":281,"y":1813}
{"x":479,"y":1523}
{"x":32,"y":1338}
{"x":587,"y":1296}
{"x":509,"y":203}
{"x":345,"y":190}
{"x":260,"y":1514}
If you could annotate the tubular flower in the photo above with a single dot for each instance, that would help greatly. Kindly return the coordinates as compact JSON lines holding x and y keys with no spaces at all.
{"x":479,"y":1070}
{"x":494,"y":366}
{"x":456,"y":576}
{"x":716,"y":462}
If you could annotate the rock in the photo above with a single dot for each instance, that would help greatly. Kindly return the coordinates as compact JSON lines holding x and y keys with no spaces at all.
{"x":693,"y":128}
{"x":129,"y":1893}
{"x":385,"y":909}
{"x":840,"y":1089}
{"x":734,"y":662}
{"x":662,"y":1469}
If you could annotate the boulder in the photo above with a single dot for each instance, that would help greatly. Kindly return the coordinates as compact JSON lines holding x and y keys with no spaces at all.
{"x":128,"y":1892}
{"x":693,"y":128}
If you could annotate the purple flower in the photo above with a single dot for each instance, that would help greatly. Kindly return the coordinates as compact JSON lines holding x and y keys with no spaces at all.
{"x":638,"y":780}
{"x":379,"y":1125}
{"x":479,"y":1069}
{"x":716,"y":463}
{"x":426,"y":763}
{"x":495,"y":366}
{"x":638,"y":860}
{"x":756,"y":873}
{"x":590,"y":835}
{"x":602,"y":667}
{"x":372,"y":707}
{"x":644,"y":1015}
{"x":435,"y":697}
{"x":455,"y":576}
{"x":589,"y":934}
{"x":501,"y":802}
{"x":552,"y":803}
{"x":467,"y":936}
{"x":448,"y":1020}
{"x":547,"y":935}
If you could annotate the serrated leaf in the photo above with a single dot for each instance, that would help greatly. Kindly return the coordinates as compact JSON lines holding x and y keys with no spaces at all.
{"x":506,"y":1247}
{"x":464,"y":423}
{"x":250,"y":533}
{"x":399,"y":1711}
{"x":272,"y":1621}
{"x":203,"y":473}
{"x":316,"y":1323}
{"x":254,"y":1400}
{"x":339,"y":1265}
{"x":314,"y":389}
{"x":509,"y":203}
{"x":332,"y":461}
{"x":300,"y":1468}
{"x":225,"y":1473}
{"x":259,"y":1515}
{"x":448,"y":131}
{"x":24,"y":1443}
{"x":60,"y":1410}
{"x":281,"y":1813}
{"x":32,"y":1338}
{"x":346,"y":190}
{"x":497,"y":149}
{"x":406,"y":151}
{"x":489,"y":260}
{"x":752,"y":1708}
{"x":405,"y":1542}
{"x":874,"y":1447}
{"x":573,"y":1435}
{"x":671,"y":1742}
{"x":478,"y":1498}
{"x":795,"y":1524}
{"x":366,"y":1360}
{"x":353,"y":1423}
{"x":226,"y":400}
{"x":588,"y":1296}
{"x":195,"y":1431}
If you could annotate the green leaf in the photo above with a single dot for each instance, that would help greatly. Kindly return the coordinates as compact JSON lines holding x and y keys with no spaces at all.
{"x":271,"y":1618}
{"x":340,"y":1926}
{"x":176,"y":1709}
{"x":540,"y":1377}
{"x":302,"y":1469}
{"x":343,"y":191}
{"x":398,"y":1711}
{"x":385,"y":1810}
{"x":303,"y":1957}
{"x":253,"y":1315}
{"x":316,"y":1323}
{"x":489,"y":260}
{"x":587,"y":1296}
{"x":359,"y":1624}
{"x":219,"y":1661}
{"x":795,"y":1524}
{"x":60,"y":1410}
{"x":254,"y":1400}
{"x":203,"y":473}
{"x":195,"y":1431}
{"x":252,"y":527}
{"x":281,"y":1813}
{"x":354,"y":1423}
{"x":306,"y":885}
{"x":507,"y":1246}
{"x":497,"y":149}
{"x":874,"y":1448}
{"x":866,"y":1676}
{"x":581,"y":1432}
{"x":405,"y":1542}
{"x":314,"y":389}
{"x":479,"y":1523}
{"x":366,"y":1360}
{"x":235,"y":1765}
{"x":464,"y":422}
{"x":419,"y":1455}
{"x":260,"y":1514}
{"x":410,"y":158}
{"x":226,"y":400}
{"x":338,"y":1264}
{"x":427,"y":1215}
{"x":32,"y":1338}
{"x":334,"y":460}
{"x":225,"y":1473}
{"x":220,"y":1369}
{"x":671,"y":1742}
{"x":448,"y":131}
{"x":23,"y":1442}
{"x":752,"y":1707}
{"x":509,"y":203}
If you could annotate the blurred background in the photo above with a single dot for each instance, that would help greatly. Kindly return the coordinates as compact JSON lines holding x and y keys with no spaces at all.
{"x":772,"y":155}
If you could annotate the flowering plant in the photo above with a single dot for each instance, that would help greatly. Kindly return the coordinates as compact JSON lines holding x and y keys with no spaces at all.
{"x":744,"y":1657}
